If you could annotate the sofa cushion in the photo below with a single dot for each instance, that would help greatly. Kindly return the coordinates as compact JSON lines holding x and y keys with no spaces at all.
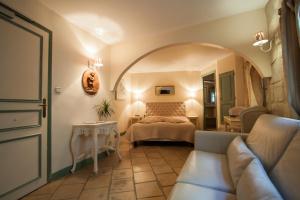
{"x":239,"y":156}
{"x":192,"y":192}
{"x":255,"y":184}
{"x":285,"y":175}
{"x":207,"y":169}
{"x":269,"y":138}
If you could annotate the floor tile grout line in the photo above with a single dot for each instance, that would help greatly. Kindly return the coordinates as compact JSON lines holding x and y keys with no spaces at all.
{"x":57,"y":188}
{"x":84,"y":186}
{"x":156,"y":180}
{"x":159,"y":184}
{"x":112,"y":165}
{"x":134,"y":185}
{"x":132,"y":178}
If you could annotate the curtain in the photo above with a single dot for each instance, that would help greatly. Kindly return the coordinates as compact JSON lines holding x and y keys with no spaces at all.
{"x":298,"y":18}
{"x":289,"y":22}
{"x":257,"y":87}
{"x":247,"y":67}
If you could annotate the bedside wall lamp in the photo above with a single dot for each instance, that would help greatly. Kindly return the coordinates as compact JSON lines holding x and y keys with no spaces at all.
{"x":97,"y":63}
{"x":261,"y":41}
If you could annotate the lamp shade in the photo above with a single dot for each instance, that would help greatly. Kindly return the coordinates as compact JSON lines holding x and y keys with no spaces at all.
{"x":260,"y":39}
{"x":98,"y":63}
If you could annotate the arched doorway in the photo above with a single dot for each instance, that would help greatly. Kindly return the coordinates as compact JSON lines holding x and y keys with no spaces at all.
{"x":227,"y":59}
{"x":180,"y":44}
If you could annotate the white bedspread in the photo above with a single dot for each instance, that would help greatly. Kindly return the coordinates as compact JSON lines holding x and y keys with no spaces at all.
{"x":161,"y":127}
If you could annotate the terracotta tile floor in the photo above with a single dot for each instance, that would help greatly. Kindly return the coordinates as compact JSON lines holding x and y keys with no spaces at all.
{"x":145,"y":173}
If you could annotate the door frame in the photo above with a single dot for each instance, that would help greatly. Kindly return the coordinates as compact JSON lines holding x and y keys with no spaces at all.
{"x":214,"y":71}
{"x":231,"y":72}
{"x":49,"y":92}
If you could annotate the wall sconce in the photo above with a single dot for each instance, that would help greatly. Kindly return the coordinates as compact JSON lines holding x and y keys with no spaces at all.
{"x":192,"y":93}
{"x":97,"y":63}
{"x":261,"y":41}
{"x":138,"y":96}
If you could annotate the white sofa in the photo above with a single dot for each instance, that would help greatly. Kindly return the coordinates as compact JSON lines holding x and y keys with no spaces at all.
{"x":264,"y":165}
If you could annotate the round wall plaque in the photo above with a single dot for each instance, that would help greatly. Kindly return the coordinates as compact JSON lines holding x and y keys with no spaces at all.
{"x":90,"y":82}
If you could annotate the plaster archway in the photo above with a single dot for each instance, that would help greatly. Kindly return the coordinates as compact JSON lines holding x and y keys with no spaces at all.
{"x":235,"y":32}
{"x":180,"y":44}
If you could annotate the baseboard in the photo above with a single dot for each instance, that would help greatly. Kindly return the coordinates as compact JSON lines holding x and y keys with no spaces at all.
{"x":67,"y":170}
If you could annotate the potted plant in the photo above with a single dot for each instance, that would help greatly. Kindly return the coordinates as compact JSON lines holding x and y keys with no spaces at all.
{"x":104,"y":109}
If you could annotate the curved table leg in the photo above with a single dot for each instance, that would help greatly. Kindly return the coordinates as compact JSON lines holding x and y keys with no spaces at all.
{"x":95,"y":151}
{"x":73,"y":150}
{"x":117,"y":143}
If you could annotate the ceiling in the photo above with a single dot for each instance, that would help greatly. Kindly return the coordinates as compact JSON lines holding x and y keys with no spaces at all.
{"x":189,"y":57}
{"x":117,"y":20}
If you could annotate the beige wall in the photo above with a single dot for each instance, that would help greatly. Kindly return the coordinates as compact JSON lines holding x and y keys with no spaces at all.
{"x":235,"y":32}
{"x":232,"y":63}
{"x":241,"y":94}
{"x":71,"y":49}
{"x":277,"y":101}
{"x":123,"y":107}
{"x":188,"y":89}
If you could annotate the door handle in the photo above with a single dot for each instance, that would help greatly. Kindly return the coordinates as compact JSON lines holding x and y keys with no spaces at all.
{"x":44,"y":107}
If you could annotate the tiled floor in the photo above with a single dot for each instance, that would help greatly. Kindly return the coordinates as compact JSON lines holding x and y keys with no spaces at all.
{"x":145,"y":173}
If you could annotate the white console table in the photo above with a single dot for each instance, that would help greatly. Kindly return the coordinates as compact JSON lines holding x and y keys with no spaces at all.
{"x":94,"y":131}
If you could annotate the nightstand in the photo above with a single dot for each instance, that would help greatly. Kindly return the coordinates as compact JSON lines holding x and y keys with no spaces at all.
{"x":194,"y":120}
{"x":134,"y":119}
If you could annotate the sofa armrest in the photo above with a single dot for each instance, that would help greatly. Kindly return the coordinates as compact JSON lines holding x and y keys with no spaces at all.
{"x":213,"y":141}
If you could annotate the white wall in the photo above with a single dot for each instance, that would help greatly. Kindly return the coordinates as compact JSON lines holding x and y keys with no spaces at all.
{"x":235,"y":32}
{"x":71,"y":49}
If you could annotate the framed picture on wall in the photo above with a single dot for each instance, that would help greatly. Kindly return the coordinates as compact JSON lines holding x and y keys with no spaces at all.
{"x":164,"y":90}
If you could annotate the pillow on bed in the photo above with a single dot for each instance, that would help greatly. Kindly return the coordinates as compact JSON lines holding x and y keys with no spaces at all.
{"x":151,"y":119}
{"x":170,"y":119}
{"x":176,"y":119}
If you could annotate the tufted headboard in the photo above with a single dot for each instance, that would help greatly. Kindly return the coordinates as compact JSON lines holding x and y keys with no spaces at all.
{"x":165,"y":109}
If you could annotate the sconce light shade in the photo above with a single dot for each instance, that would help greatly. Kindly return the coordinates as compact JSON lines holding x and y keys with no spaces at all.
{"x":98,"y":63}
{"x":192,"y":94}
{"x":260,"y":39}
{"x":138,"y":96}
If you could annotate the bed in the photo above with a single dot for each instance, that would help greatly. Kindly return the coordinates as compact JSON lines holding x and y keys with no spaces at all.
{"x":164,"y":121}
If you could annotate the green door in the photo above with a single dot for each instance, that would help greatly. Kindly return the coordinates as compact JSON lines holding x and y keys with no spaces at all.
{"x":24,"y":50}
{"x":227,"y":96}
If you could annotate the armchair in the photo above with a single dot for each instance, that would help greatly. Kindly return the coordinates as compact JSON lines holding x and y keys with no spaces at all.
{"x":249,"y":116}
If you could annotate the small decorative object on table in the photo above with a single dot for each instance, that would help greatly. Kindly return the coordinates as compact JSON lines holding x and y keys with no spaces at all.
{"x":104,"y":109}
